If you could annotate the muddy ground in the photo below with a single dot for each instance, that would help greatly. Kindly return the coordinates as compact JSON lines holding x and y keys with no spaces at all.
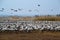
{"x":38,"y":35}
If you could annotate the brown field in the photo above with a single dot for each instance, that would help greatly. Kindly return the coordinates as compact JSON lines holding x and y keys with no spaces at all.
{"x":30,"y":36}
{"x":33,"y":35}
{"x":40,"y":18}
{"x":47,"y":18}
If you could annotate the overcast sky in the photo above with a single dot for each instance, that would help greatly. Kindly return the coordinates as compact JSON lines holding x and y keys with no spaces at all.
{"x":46,"y":7}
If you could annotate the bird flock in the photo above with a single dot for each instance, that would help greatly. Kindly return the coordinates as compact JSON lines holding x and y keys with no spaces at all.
{"x":19,"y":9}
{"x":29,"y":26}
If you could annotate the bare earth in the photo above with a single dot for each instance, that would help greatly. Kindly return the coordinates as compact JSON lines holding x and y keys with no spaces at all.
{"x":30,"y":36}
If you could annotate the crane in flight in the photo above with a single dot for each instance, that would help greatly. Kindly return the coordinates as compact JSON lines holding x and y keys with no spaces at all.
{"x":38,"y":5}
{"x":2,"y":9}
{"x":30,"y":10}
{"x":15,"y":10}
{"x":19,"y":9}
{"x":51,"y":9}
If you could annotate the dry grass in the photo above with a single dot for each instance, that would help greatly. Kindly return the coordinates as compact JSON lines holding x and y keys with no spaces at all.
{"x":30,"y":36}
{"x":40,"y":18}
{"x":47,"y":18}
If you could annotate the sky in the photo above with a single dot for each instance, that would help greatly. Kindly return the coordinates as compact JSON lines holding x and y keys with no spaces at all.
{"x":47,"y":7}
